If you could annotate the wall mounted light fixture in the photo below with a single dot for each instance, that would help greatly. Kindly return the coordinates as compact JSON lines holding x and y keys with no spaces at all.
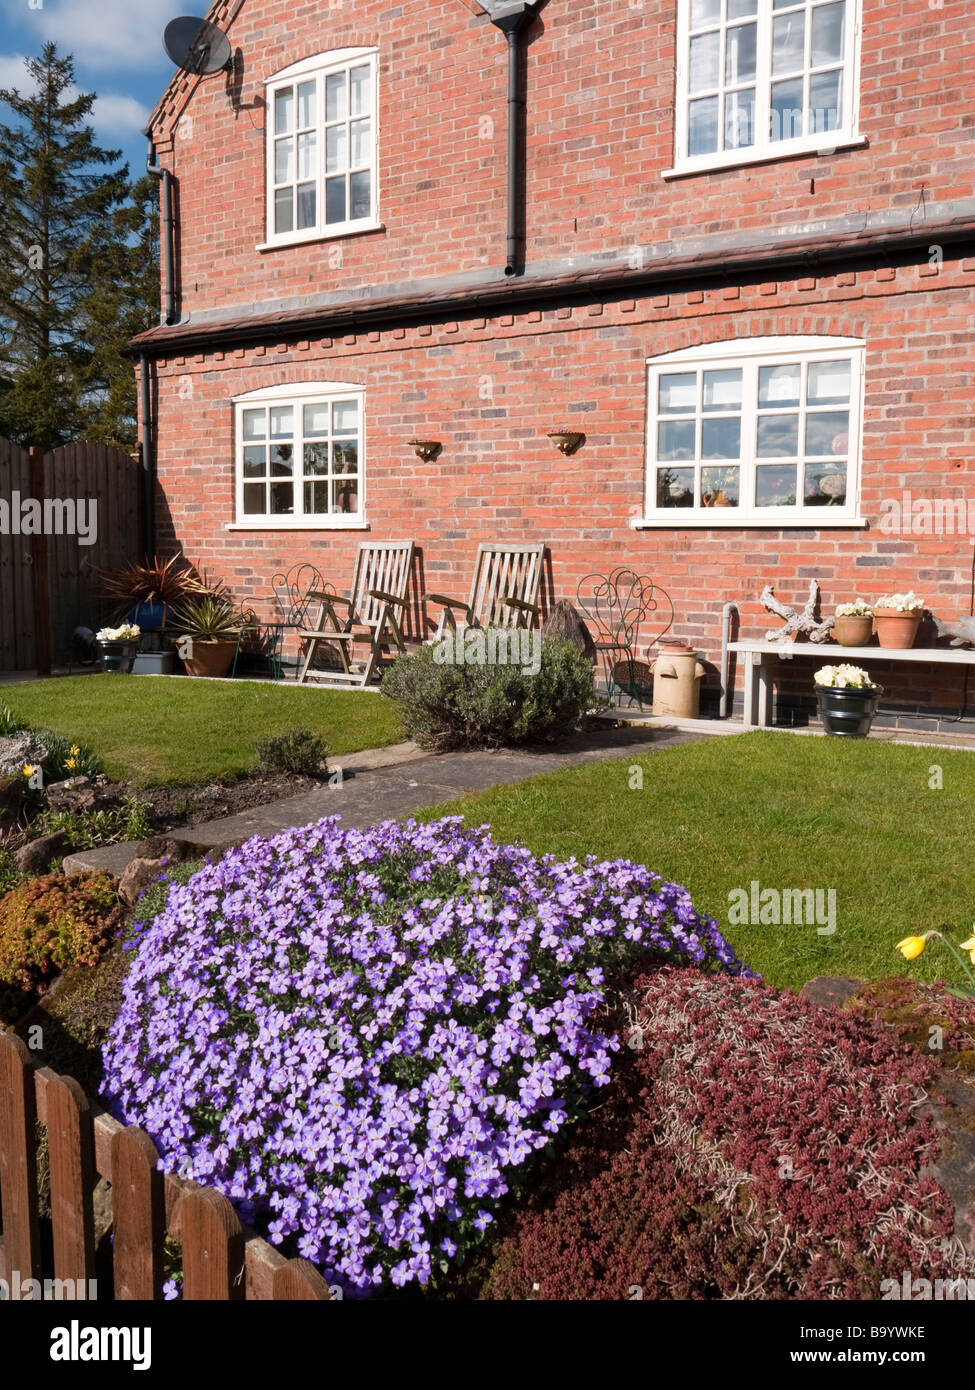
{"x":425,"y":449}
{"x":566,"y":441}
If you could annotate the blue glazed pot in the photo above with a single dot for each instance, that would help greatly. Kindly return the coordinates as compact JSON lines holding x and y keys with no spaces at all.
{"x":148,"y":617}
{"x":847,"y":713}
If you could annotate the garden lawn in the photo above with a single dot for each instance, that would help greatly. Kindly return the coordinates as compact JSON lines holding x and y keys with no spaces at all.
{"x":156,"y":730}
{"x":859,"y":817}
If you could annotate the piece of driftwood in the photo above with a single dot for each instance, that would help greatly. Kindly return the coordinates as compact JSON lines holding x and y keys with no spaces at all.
{"x":796,"y":622}
{"x":564,"y":624}
{"x":961,"y":631}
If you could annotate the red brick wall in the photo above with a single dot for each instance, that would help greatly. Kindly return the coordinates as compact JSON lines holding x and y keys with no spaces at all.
{"x":490,"y":389}
{"x":600,"y":100}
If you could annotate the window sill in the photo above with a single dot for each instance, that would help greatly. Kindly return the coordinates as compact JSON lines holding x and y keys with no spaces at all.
{"x":737,"y":159}
{"x":278,"y":523}
{"x":681,"y":520}
{"x":340,"y":234}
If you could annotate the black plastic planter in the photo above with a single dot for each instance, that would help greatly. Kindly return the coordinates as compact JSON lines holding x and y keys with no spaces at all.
{"x":117,"y":656}
{"x":847,"y":712}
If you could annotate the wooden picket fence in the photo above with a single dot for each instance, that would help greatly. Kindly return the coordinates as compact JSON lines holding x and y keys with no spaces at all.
{"x":222,"y":1260}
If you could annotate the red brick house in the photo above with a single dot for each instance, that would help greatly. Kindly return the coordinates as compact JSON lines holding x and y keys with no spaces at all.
{"x":732,"y":242}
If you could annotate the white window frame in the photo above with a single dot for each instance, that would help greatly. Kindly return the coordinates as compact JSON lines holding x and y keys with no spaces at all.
{"x":750,"y":354}
{"x":847,"y":136}
{"x":317,"y":69}
{"x":297,"y":395}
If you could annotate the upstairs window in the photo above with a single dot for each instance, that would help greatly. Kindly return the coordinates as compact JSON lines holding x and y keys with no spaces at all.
{"x":321,"y":147}
{"x":761,"y":79}
{"x":758,"y":432}
{"x":300,"y":456}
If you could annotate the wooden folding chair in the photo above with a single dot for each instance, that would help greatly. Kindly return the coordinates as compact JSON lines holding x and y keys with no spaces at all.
{"x":372,"y":613}
{"x":504,"y":590}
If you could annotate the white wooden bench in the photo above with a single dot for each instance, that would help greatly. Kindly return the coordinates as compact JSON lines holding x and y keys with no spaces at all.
{"x":758,"y":655}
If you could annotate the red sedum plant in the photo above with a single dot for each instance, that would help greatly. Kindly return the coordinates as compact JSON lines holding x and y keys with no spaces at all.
{"x":48,"y":924}
{"x":754,"y":1145}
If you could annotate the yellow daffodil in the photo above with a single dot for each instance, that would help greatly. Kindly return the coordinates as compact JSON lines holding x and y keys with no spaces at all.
{"x":912,"y":946}
{"x":71,"y":762}
{"x":74,"y":750}
{"x":28,"y":770}
{"x":969,"y":945}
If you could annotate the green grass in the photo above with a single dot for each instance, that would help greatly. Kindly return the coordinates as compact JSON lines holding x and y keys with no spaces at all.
{"x":161,"y":731}
{"x":789,"y":812}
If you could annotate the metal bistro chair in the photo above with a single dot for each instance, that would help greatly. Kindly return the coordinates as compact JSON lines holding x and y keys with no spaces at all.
{"x":504,"y":590}
{"x":259,"y":646}
{"x":616,"y":606}
{"x":372,"y":613}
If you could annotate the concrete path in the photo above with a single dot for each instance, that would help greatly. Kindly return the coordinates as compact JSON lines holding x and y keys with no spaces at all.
{"x":391,"y":784}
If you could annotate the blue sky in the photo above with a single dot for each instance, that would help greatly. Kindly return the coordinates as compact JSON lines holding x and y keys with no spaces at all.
{"x":118,"y":52}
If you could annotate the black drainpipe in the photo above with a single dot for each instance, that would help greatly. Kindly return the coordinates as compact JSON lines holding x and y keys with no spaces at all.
{"x":148,"y":458}
{"x":166,"y":228}
{"x":513,"y":20}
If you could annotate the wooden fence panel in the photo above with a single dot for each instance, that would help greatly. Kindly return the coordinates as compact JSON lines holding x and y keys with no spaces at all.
{"x":18,"y":1161}
{"x":300,"y":1280}
{"x":213,"y":1247}
{"x":17,"y":646}
{"x":72,"y":1179}
{"x":138,"y":1216}
{"x":222,"y":1260}
{"x":103,"y":476}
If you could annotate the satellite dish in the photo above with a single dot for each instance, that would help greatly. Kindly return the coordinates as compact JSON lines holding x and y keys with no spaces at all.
{"x":196,"y":45}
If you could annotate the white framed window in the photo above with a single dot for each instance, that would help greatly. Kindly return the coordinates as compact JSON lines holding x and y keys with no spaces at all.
{"x":756,"y":432}
{"x":763,"y":79}
{"x":322,"y":147}
{"x":300,"y":457}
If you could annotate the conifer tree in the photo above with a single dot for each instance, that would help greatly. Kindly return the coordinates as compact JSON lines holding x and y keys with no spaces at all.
{"x":68,"y":235}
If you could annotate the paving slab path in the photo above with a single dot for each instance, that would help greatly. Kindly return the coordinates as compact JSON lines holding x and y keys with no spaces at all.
{"x":393,"y":784}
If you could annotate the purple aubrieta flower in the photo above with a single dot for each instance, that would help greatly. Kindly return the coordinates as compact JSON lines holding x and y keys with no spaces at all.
{"x":361,"y":1037}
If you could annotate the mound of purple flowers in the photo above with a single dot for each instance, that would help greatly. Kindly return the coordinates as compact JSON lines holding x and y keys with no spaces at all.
{"x":362,"y":1037}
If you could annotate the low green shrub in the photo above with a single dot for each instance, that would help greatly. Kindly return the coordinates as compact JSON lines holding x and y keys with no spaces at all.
{"x":109,"y":825}
{"x":10,"y":875}
{"x":467,"y":704}
{"x":66,"y":758}
{"x":9,"y":723}
{"x":49,"y":924}
{"x":298,"y":751}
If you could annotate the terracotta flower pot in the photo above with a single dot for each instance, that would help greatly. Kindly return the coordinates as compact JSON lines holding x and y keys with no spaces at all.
{"x":896,"y":631}
{"x":852,"y":631}
{"x":210,"y":658}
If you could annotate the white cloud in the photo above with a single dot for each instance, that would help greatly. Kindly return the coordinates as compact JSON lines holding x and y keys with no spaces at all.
{"x":12,"y":71}
{"x":102,"y":34}
{"x":114,"y":115}
{"x":119,"y":116}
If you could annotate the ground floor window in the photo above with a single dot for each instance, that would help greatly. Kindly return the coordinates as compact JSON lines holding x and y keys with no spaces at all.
{"x":299,"y":455}
{"x":759,"y":431}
